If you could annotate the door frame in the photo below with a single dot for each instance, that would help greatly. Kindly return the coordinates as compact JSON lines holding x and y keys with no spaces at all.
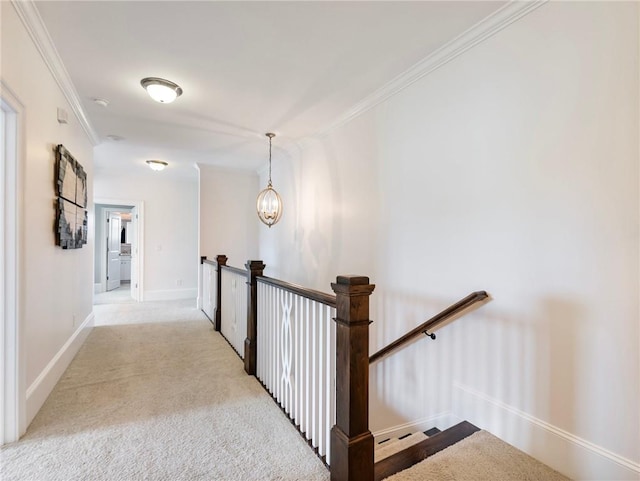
{"x":139,"y":206}
{"x":12,"y":353}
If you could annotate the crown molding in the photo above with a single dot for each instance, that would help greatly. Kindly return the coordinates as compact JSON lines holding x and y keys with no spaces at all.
{"x":481,"y":31}
{"x":32,"y":21}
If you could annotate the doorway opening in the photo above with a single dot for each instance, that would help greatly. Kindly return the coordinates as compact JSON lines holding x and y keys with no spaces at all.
{"x":12,"y":380}
{"x":119,"y":252}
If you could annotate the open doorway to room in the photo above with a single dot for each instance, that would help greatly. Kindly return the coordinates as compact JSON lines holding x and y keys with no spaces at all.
{"x":12,"y":390}
{"x":119,"y":251}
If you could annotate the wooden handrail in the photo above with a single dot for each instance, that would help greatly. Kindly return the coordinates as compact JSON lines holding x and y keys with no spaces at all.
{"x":317,"y":296}
{"x":236,"y":270}
{"x":450,"y":311}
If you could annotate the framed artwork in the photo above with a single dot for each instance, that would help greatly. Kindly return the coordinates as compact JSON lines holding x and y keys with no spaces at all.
{"x":71,"y":213}
{"x":71,"y":179}
{"x":81,"y":186}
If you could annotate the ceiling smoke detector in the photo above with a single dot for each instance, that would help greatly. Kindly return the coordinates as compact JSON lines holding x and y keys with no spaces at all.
{"x":100,"y":102}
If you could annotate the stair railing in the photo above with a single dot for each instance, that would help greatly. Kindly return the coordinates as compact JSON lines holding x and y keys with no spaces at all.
{"x":209,"y":279}
{"x":316,"y":369}
{"x":211,"y":273}
{"x":430,"y":324}
{"x":296,"y":356}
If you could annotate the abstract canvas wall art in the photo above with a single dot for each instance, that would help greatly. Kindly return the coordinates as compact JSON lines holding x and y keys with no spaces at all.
{"x":71,"y":187}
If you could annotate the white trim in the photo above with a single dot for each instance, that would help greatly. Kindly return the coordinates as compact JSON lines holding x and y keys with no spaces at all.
{"x":441,"y":421}
{"x":38,"y":392}
{"x":570,"y":454}
{"x":139,"y":205}
{"x":171,"y":294}
{"x":13,"y":374}
{"x":28,"y":13}
{"x":486,"y":28}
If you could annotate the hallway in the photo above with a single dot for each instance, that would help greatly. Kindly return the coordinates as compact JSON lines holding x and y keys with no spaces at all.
{"x":163,"y":399}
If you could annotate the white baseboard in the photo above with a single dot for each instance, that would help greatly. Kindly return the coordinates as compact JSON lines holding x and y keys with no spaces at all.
{"x":39,"y":391}
{"x":441,"y":421}
{"x":171,"y":294}
{"x":571,"y":455}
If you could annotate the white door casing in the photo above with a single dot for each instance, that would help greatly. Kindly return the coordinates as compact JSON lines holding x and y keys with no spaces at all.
{"x":137,"y":244}
{"x":12,"y":366}
{"x":133,"y":229}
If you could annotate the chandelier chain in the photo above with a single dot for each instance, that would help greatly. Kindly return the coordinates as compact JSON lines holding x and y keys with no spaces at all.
{"x":269,"y":161}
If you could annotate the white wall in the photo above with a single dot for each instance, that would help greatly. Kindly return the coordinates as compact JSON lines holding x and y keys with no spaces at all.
{"x":56,"y":288}
{"x":170,"y":225}
{"x":228,"y":219}
{"x":512,"y":168}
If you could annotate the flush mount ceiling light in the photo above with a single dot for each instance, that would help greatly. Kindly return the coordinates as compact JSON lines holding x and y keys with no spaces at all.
{"x":269,"y":203}
{"x":161,"y":90}
{"x":157,"y":164}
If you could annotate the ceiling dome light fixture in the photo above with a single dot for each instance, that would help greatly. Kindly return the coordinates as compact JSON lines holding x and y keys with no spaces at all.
{"x":269,"y":203}
{"x":161,"y":90}
{"x":157,"y":165}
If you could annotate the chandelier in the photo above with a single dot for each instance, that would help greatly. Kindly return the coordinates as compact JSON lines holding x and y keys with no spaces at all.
{"x":269,"y":203}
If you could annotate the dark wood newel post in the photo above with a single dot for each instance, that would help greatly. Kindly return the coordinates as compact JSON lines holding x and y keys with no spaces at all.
{"x":351,"y":440}
{"x":221,"y":260}
{"x":254,"y":269}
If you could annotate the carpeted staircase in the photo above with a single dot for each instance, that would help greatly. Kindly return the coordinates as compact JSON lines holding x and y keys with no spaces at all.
{"x":389,"y":447}
{"x":463,"y":452}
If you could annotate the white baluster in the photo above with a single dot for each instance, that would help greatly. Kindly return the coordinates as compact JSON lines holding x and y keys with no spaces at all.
{"x":304,"y":353}
{"x":215,"y":289}
{"x":242,"y":299}
{"x":322,"y":353}
{"x":286,"y":354}
{"x":329,"y":390}
{"x":294,"y":350}
{"x":259,"y":315}
{"x":271,"y":340}
{"x":309,"y":367}
{"x":314,"y":374}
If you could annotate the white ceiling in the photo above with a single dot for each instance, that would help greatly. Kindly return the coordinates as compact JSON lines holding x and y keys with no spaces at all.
{"x":246,"y":68}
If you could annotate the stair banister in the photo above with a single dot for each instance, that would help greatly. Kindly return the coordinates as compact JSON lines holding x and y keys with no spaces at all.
{"x":351,"y":441}
{"x":254,"y":270}
{"x":221,"y":260}
{"x":426,"y":326}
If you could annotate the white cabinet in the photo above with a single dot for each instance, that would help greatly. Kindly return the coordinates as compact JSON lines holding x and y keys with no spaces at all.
{"x":125,"y":268}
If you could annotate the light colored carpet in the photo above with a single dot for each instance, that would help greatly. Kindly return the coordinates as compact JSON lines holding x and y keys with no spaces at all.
{"x":120,"y":295}
{"x":159,"y":401}
{"x":480,"y":457}
{"x":145,"y":312}
{"x":170,"y":401}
